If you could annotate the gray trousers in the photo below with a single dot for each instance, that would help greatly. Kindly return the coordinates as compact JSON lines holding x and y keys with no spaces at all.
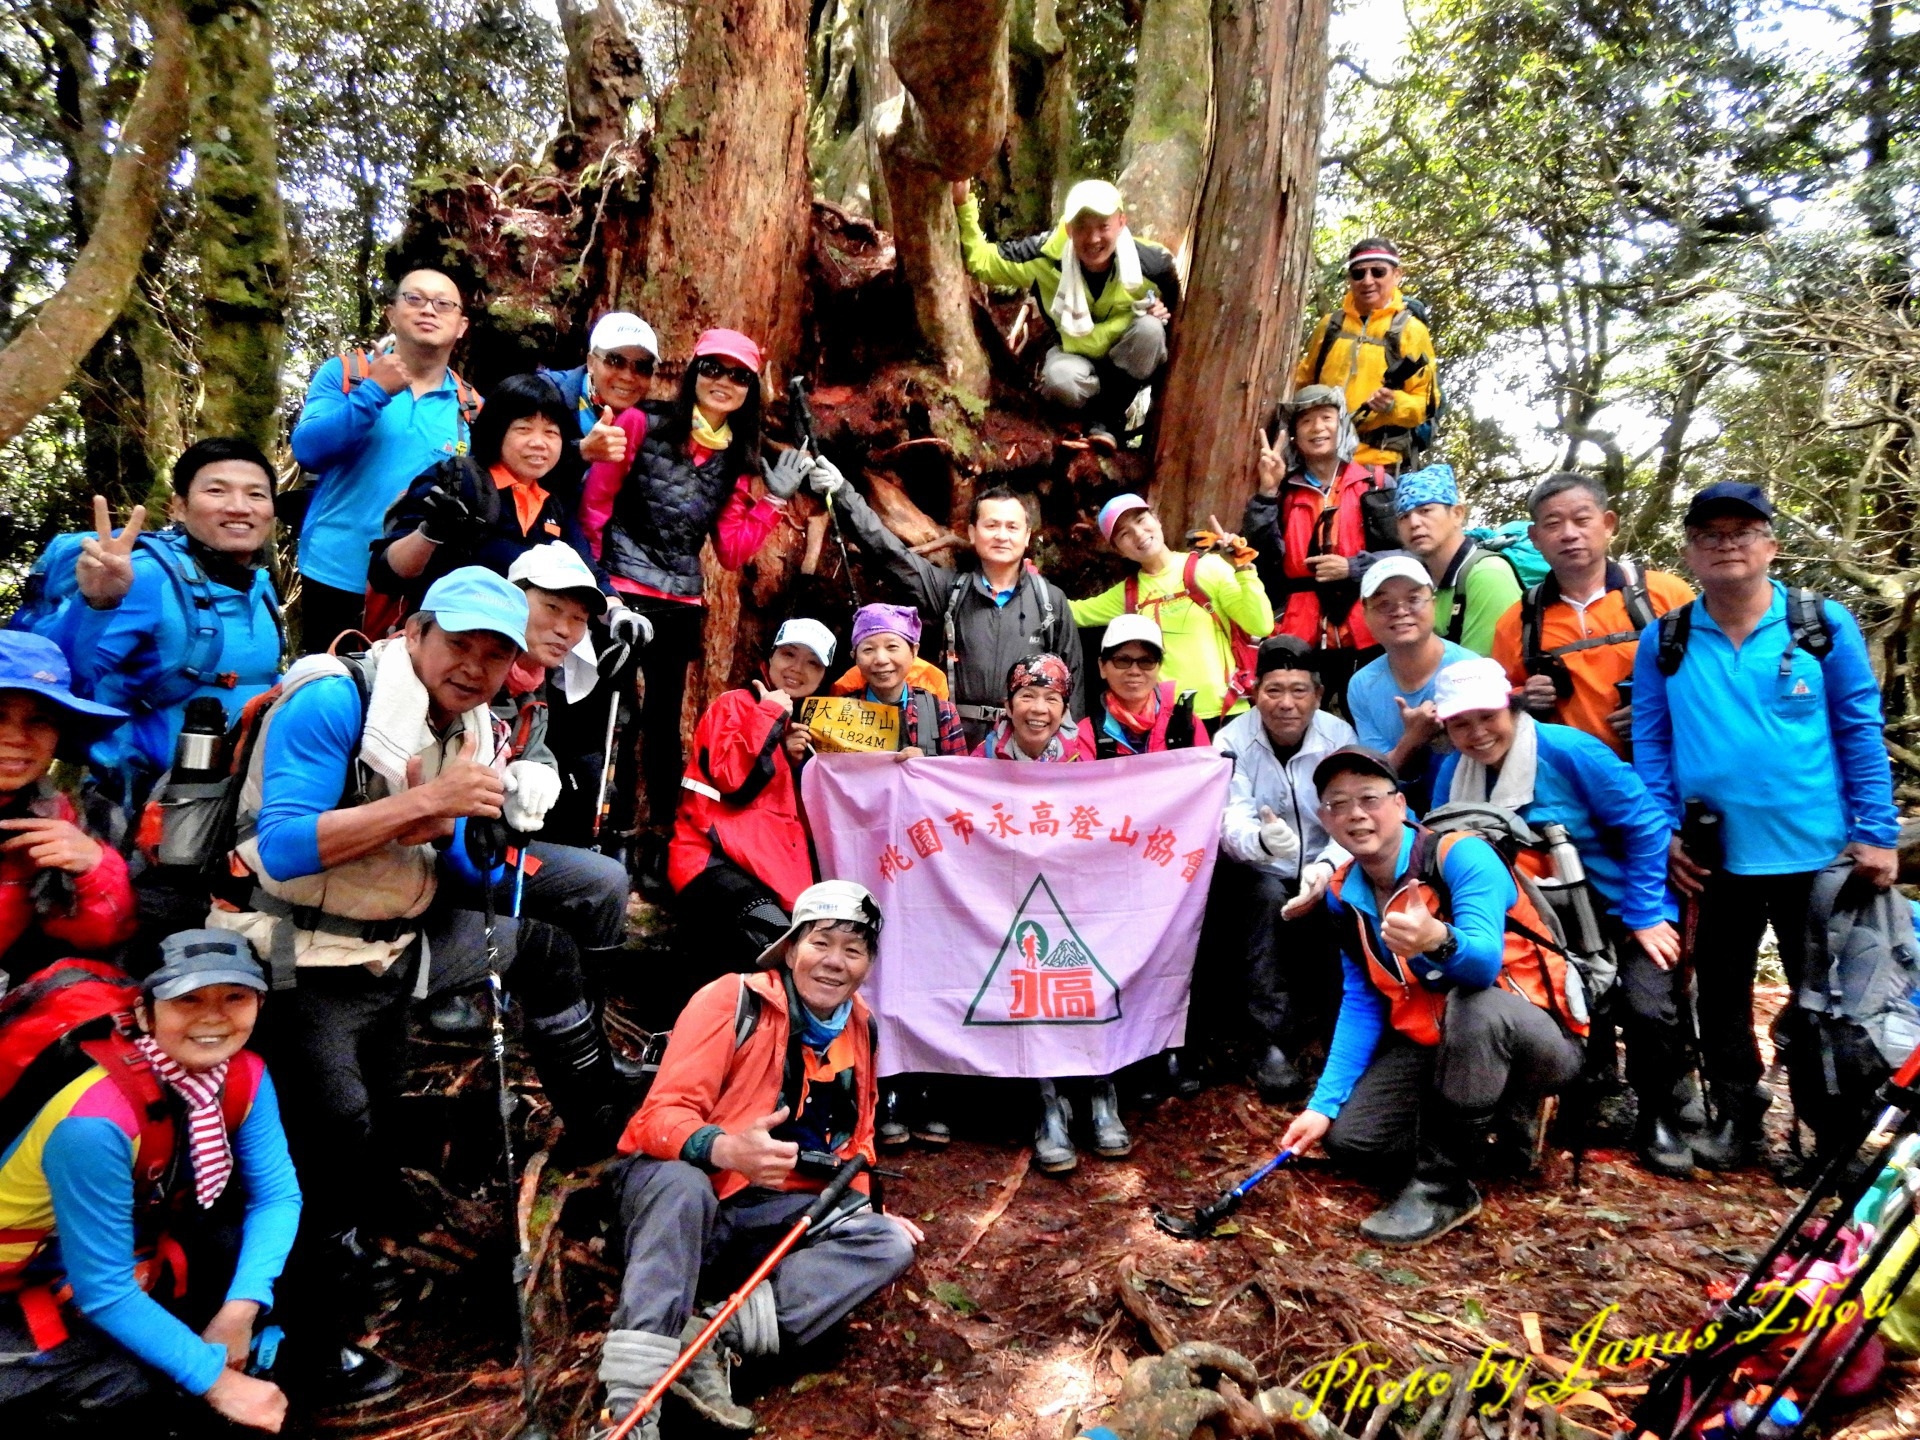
{"x":1074,"y":380}
{"x":683,"y":1243}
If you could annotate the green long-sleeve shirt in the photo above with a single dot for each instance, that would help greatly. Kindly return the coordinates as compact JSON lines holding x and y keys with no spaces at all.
{"x":1199,"y":656}
{"x":1492,"y":590}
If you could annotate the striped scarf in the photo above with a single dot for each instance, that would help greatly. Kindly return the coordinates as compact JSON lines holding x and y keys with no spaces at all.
{"x":207,"y":1146}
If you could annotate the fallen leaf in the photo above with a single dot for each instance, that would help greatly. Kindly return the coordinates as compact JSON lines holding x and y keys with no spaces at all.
{"x":1401,"y":1277}
{"x":806,"y":1383}
{"x":954,"y":1297}
{"x":1476,"y":1312}
{"x":1425,"y":1317}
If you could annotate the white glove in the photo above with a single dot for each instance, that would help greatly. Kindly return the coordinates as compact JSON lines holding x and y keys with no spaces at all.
{"x":825,"y":477}
{"x":628,"y":627}
{"x":531,"y":790}
{"x":1277,"y":837}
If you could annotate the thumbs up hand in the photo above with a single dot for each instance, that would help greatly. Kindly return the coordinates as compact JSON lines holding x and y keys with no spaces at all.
{"x":1413,"y":930}
{"x":605,"y":441}
{"x":1277,"y":837}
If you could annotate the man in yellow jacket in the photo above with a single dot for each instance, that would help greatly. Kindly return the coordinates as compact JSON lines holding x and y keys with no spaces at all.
{"x":1107,"y":295}
{"x":1378,"y":350}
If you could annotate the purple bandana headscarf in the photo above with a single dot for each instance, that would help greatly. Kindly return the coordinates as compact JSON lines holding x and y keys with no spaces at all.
{"x":901,"y":620}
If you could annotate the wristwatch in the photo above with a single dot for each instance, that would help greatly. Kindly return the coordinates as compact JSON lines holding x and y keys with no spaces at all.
{"x":1442,"y":953}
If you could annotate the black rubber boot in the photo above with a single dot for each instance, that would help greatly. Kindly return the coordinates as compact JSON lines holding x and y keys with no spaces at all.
{"x":1663,"y":1138}
{"x":1277,"y":1078}
{"x":1110,"y":1138}
{"x":928,"y":1126}
{"x":337,"y":1377}
{"x":1735,"y":1138}
{"x":1183,"y":1074}
{"x":1053,"y":1148}
{"x":890,"y":1130}
{"x":570,"y":1053}
{"x":1439,"y":1196}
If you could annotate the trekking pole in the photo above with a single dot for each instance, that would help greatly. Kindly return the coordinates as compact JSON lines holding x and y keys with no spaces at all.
{"x":818,"y":1211}
{"x":1901,"y":1103}
{"x":530,"y":1429}
{"x":1208,"y":1217}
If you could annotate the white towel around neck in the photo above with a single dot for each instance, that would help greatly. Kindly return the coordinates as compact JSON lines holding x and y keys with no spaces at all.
{"x":1514,"y":789}
{"x":1072,"y":307}
{"x":397,"y":728}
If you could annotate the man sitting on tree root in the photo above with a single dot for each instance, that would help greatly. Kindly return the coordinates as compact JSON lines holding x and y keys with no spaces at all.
{"x":1108,"y":296}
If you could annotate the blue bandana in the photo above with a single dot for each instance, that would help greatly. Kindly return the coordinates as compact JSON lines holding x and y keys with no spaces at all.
{"x":818,"y":1034}
{"x":1431,"y":486}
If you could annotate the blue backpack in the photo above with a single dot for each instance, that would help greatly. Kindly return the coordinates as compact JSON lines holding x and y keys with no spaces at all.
{"x":1512,"y":541}
{"x":51,"y":584}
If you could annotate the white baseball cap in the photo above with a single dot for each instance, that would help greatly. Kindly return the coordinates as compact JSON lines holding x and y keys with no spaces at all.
{"x":1091,"y":197}
{"x":619,"y":329}
{"x":808,"y":633}
{"x":1123,"y":628}
{"x":557,"y":566}
{"x":1468,"y":685}
{"x":828,"y":900}
{"x":1391,"y":566}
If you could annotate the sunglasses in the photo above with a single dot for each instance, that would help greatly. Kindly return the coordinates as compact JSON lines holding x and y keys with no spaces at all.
{"x":1369,"y":272}
{"x":714,"y":368}
{"x":614,"y":360}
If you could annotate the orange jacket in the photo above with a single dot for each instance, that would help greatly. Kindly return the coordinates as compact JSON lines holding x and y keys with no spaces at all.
{"x":1595,"y":671}
{"x":705,"y":1079}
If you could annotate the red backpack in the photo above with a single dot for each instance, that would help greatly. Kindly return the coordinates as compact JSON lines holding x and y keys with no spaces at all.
{"x":1245,"y":650}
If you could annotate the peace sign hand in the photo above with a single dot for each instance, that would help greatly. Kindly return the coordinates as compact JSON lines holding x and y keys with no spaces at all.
{"x":104,"y":571}
{"x":1271,"y":464}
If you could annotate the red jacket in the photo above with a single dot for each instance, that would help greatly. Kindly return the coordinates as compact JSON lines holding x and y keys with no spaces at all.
{"x":741,"y":800}
{"x":1301,"y":505}
{"x":100,"y":917}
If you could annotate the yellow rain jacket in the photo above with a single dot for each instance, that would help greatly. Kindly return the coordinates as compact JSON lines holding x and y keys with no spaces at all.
{"x":1357,"y":360}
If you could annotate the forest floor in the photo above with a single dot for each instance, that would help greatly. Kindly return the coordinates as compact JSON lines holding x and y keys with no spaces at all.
{"x":1012,"y":1321}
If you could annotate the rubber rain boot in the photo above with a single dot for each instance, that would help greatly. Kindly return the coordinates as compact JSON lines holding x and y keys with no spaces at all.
{"x":1110,"y":1137}
{"x":570,"y":1054}
{"x":1277,"y":1078}
{"x":1735,"y":1138}
{"x":890,"y":1130}
{"x":1439,"y":1196}
{"x":1053,"y":1148}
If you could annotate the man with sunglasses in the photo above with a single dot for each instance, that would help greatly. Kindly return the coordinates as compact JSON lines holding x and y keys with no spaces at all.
{"x":1758,"y":701}
{"x":622,"y":351}
{"x":1377,"y":350}
{"x":371,"y":423}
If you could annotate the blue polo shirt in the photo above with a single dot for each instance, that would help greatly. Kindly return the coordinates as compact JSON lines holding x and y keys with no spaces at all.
{"x":1371,"y":692}
{"x":366,"y":446}
{"x":1790,"y":757}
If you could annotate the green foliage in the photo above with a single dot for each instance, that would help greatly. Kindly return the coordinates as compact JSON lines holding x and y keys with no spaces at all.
{"x":1101,"y":35}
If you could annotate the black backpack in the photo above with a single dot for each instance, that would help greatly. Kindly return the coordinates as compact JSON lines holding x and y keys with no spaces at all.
{"x":1807,"y":629}
{"x":1533,"y":606}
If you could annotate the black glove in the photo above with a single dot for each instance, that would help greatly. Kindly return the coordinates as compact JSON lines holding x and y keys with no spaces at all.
{"x":628,"y":627}
{"x":444,"y":516}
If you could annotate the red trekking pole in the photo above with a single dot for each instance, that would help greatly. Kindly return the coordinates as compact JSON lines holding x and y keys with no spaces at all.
{"x":818,"y":1211}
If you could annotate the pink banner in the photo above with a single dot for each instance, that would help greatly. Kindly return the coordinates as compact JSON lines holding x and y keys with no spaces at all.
{"x":1040,"y":920}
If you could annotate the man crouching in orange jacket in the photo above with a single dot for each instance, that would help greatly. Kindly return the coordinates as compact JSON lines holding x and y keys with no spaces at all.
{"x":765,"y":1088}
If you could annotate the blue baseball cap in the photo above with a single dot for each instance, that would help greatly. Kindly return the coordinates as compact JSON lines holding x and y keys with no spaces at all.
{"x":475,"y":598}
{"x":36,"y":665}
{"x":1728,"y":497}
{"x":194,"y":959}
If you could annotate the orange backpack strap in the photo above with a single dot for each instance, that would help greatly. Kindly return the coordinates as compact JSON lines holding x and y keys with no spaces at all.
{"x":467,"y":398}
{"x":354,"y":367}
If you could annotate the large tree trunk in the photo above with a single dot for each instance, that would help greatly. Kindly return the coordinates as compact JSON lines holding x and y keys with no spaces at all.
{"x":1021,"y":195}
{"x":606,"y":74}
{"x":41,"y":360}
{"x":951,"y":55}
{"x":242,"y":235}
{"x":1164,"y":155}
{"x":1238,"y":325}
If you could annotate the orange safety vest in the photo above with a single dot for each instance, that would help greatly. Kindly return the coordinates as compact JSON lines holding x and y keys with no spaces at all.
{"x":1532,"y":966}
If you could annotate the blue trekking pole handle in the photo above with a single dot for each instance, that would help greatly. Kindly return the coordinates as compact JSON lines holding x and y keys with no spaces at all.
{"x":519,"y":876}
{"x":1239,"y":1191}
{"x":1208,"y":1217}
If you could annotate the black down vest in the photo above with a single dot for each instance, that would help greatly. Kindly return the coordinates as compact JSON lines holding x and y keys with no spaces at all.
{"x":664,"y":512}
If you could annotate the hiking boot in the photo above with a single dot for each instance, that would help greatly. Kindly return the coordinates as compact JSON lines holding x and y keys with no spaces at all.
{"x":706,"y":1383}
{"x":612,"y":1415}
{"x":1689,"y":1107}
{"x":1276,"y":1077}
{"x":569,"y":1053}
{"x":890,"y":1130}
{"x":1110,"y":1136}
{"x":1735,"y":1138}
{"x":338,"y":1377}
{"x":1053,"y":1148}
{"x":1422,"y":1212}
{"x":1183,"y":1074}
{"x":459,"y":1017}
{"x":1663,"y":1147}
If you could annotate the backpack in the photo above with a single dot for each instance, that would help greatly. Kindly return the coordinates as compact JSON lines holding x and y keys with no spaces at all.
{"x":1533,"y":607}
{"x":356,"y":365}
{"x":52,"y":583}
{"x":1457,"y":620}
{"x":1565,"y":903}
{"x":1399,"y":370}
{"x":1807,"y":629}
{"x":1857,"y":1013}
{"x":1512,"y":542}
{"x":1244,"y":650}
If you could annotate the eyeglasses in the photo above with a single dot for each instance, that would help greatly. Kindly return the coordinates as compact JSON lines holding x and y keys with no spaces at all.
{"x":1369,"y":272}
{"x":1724,"y":540}
{"x":1400,"y":607}
{"x":1132,"y":662}
{"x":714,"y":368}
{"x":614,"y":360}
{"x":439,"y":304}
{"x":1373,"y":802}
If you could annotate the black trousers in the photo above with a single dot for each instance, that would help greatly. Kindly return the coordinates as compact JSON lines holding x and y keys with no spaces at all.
{"x":657,"y":762}
{"x":325,"y":612}
{"x":1647,"y":1004}
{"x":728,"y":917}
{"x":1735,"y":911}
{"x":1494,"y":1046}
{"x":1258,"y":977}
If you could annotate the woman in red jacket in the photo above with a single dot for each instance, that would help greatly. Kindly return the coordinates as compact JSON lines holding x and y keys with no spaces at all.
{"x":63,"y":891}
{"x":740,"y":854}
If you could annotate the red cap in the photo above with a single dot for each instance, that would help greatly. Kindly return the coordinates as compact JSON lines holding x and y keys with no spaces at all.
{"x":730,"y":343}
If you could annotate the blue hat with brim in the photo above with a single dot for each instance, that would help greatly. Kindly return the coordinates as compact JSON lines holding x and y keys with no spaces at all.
{"x":1726,"y":498}
{"x":475,"y":598}
{"x":36,"y":665}
{"x":194,"y":959}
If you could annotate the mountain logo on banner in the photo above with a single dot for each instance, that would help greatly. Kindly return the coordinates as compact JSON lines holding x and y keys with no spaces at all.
{"x":1044,"y":974}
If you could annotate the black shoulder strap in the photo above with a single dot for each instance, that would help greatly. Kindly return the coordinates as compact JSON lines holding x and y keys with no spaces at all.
{"x":1329,"y":332}
{"x":1457,"y":620}
{"x":1807,"y":623}
{"x":1634,"y":596}
{"x":1531,"y":605}
{"x":746,"y":1013}
{"x":926,"y":722}
{"x":1675,"y":626}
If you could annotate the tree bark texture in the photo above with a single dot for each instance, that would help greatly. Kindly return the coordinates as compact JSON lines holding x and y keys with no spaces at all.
{"x":606,"y":74}
{"x":241,"y":227}
{"x":1021,"y":195}
{"x":1238,"y":327}
{"x":727,"y":238}
{"x":41,"y":359}
{"x":1164,"y":155}
{"x":951,"y":56}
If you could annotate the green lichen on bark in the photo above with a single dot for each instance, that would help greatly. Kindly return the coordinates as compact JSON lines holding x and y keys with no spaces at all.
{"x":1165,"y":150}
{"x":241,"y":231}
